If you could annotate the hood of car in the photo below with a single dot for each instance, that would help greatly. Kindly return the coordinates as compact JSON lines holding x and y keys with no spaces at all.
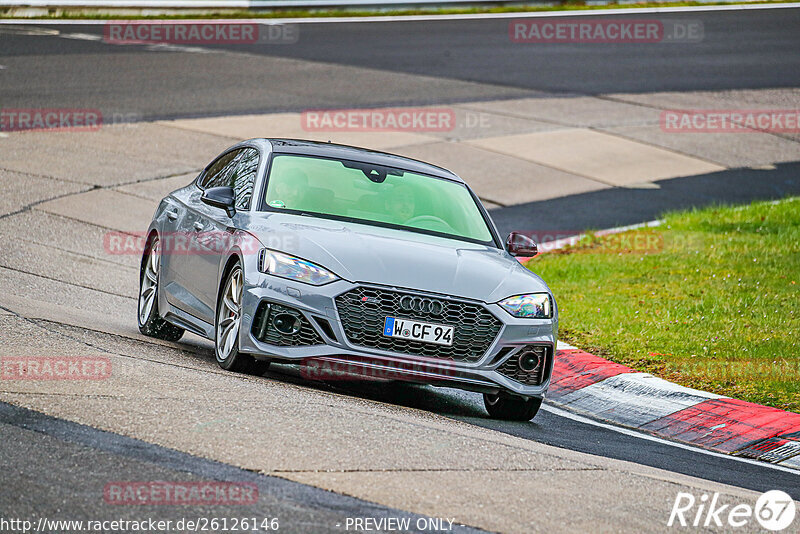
{"x":403,"y":259}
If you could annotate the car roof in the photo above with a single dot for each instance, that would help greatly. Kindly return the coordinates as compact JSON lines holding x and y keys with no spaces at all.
{"x":333,"y":150}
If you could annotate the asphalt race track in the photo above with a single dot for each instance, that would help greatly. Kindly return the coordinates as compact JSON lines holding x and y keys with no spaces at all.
{"x":321,"y":453}
{"x":450,"y":61}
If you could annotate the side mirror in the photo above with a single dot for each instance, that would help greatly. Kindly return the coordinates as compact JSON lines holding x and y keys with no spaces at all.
{"x":519,"y":244}
{"x":220,"y":197}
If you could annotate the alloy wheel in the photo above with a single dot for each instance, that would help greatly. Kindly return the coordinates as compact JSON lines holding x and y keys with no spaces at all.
{"x":148,"y":291}
{"x":230,"y":315}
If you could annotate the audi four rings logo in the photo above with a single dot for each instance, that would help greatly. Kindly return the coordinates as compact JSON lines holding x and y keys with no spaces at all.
{"x":421,"y":305}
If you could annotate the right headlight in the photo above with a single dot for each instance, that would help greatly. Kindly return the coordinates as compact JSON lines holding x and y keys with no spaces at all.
{"x":530,"y":306}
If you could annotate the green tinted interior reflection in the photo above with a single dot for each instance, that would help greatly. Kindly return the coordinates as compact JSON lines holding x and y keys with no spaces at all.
{"x":329,"y":187}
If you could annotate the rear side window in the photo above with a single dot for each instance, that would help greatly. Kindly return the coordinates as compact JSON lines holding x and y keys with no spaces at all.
{"x":236,"y":169}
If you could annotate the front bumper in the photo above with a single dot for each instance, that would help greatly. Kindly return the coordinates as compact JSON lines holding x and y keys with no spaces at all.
{"x":337,"y":357}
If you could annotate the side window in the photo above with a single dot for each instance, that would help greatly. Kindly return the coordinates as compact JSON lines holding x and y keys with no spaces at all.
{"x":219,"y":171}
{"x":244,"y":176}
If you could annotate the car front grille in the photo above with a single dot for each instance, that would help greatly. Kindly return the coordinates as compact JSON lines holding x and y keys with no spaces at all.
{"x":265,"y":331}
{"x":511,"y":368}
{"x":363,"y":311}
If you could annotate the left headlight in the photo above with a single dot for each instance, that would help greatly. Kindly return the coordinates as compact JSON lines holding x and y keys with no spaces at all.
{"x":285,"y":266}
{"x":532,"y":306}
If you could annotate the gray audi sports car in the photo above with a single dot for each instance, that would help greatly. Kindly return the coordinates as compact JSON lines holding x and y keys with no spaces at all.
{"x":353,"y":264}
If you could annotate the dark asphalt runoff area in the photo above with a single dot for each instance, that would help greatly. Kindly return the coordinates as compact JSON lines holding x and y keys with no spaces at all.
{"x":72,"y":464}
{"x":621,"y":206}
{"x":567,"y":433}
{"x":468,"y":60}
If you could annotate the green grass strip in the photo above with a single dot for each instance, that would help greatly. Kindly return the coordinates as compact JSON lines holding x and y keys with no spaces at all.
{"x":710,"y":299}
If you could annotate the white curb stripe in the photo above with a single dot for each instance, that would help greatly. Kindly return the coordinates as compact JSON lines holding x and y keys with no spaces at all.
{"x":633,"y":399}
{"x":565,"y":346}
{"x":793,"y":462}
{"x":790,"y":449}
{"x":785,"y":466}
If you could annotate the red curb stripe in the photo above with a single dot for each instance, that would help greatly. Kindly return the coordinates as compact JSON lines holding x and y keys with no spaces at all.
{"x":788,"y":450}
{"x":759,"y":449}
{"x":575,"y":369}
{"x":726,"y":425}
{"x":772,"y":450}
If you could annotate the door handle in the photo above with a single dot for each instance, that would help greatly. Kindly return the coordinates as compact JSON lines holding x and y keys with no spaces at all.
{"x":172,"y":215}
{"x":198,"y":226}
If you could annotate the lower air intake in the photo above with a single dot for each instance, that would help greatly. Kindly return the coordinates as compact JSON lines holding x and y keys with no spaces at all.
{"x":528,"y":365}
{"x":280,"y":325}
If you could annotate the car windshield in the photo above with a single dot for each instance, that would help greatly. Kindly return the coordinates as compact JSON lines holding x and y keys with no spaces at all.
{"x":372,"y":194}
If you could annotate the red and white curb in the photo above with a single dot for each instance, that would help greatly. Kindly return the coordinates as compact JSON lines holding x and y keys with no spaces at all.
{"x":589,"y":385}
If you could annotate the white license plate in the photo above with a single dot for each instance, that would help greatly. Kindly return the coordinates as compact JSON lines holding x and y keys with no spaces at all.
{"x":417,"y":331}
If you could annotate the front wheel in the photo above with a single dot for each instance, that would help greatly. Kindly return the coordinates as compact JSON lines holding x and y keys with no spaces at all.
{"x":228,"y":322}
{"x":150,"y":321}
{"x":511,"y":408}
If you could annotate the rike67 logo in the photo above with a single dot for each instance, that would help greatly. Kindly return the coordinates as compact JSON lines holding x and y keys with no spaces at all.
{"x":774,"y":511}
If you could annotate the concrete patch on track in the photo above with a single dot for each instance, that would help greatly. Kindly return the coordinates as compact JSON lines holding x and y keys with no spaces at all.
{"x":786,"y":98}
{"x":105,"y":208}
{"x":34,"y":296}
{"x":290,"y":125}
{"x":79,"y":269}
{"x":22,"y":189}
{"x":112,"y":155}
{"x":57,"y":233}
{"x":501,"y":178}
{"x":731,"y":150}
{"x":473,"y":121}
{"x":155,"y":190}
{"x":574,"y":111}
{"x":598,"y":156}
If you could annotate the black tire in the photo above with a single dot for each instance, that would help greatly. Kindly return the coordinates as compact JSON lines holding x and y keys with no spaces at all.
{"x":147,"y":316}
{"x":235,"y":361}
{"x":511,"y":408}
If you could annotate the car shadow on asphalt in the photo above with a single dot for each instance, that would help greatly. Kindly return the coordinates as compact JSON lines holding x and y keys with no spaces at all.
{"x":443,"y":401}
{"x":619,"y":206}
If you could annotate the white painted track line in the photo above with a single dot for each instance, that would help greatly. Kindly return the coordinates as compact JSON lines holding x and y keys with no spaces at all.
{"x":638,"y":434}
